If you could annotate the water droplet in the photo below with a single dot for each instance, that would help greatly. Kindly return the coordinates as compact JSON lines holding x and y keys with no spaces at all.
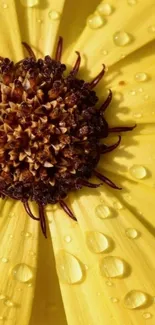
{"x":4,"y":260}
{"x":9,"y":303}
{"x":104,"y":9}
{"x":29,"y":3}
{"x":22,"y":272}
{"x":29,"y":285}
{"x":104,"y":52}
{"x":109,"y":283}
{"x":28,"y":234}
{"x":138,"y":171}
{"x":132,"y":2}
{"x":117,"y":205}
{"x":131,"y":233}
{"x":137,"y":115}
{"x":132,"y":92}
{"x":146,"y":97}
{"x":54,"y":15}
{"x":151,"y":29}
{"x":114,"y":299}
{"x":96,"y":241}
{"x":39,"y":21}
{"x":135,"y":299}
{"x":2,"y":297}
{"x":10,"y":236}
{"x":141,"y":76}
{"x":95,"y":21}
{"x":32,"y":253}
{"x":103,"y":211}
{"x":4,"y":5}
{"x":121,"y":38}
{"x":112,"y":267}
{"x":2,"y":318}
{"x":67,"y":239}
{"x":140,"y":90}
{"x":147,"y":315}
{"x":69,"y":268}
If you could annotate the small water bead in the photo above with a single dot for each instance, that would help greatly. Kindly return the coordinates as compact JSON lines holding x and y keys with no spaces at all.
{"x":22,"y":273}
{"x":54,"y":15}
{"x":117,"y":205}
{"x":114,"y":299}
{"x":4,"y":260}
{"x":112,"y":267}
{"x":29,"y":285}
{"x":103,"y":211}
{"x":2,"y":318}
{"x":132,"y":92}
{"x":4,"y":5}
{"x":141,"y":76}
{"x":140,"y":90}
{"x":95,"y":21}
{"x":132,"y":2}
{"x":135,"y":299}
{"x":67,"y":239}
{"x":147,"y":315}
{"x":146,"y":97}
{"x":121,"y":38}
{"x":39,"y":21}
{"x":97,"y":242}
{"x":9,"y":303}
{"x":104,"y":52}
{"x":131,"y":233}
{"x":28,"y":234}
{"x":69,"y":268}
{"x":138,"y":172}
{"x":137,"y":115}
{"x":2,"y":297}
{"x":151,"y":29}
{"x":105,"y":9}
{"x":29,"y":3}
{"x":109,"y":283}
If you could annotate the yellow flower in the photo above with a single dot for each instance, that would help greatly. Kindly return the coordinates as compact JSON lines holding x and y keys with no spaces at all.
{"x":105,"y":262}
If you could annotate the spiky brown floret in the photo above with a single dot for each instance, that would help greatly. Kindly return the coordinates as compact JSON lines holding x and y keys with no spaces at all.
{"x":50,"y":130}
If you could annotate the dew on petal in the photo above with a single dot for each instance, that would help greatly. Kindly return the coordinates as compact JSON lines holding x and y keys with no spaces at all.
{"x":138,"y":171}
{"x":117,"y":205}
{"x":2,"y":297}
{"x":104,"y":9}
{"x":96,"y":241}
{"x":131,"y":233}
{"x":9,"y":303}
{"x":132,"y":92}
{"x":109,"y":283}
{"x":141,"y":76}
{"x":112,"y":267}
{"x":140,"y":90}
{"x":67,"y":239}
{"x":121,"y":38}
{"x":104,"y":52}
{"x":29,"y":3}
{"x":69,"y":268}
{"x":151,"y":29}
{"x":4,"y":5}
{"x":147,"y":315}
{"x":135,"y":299}
{"x":28,"y":234}
{"x":146,"y":97}
{"x":22,"y":273}
{"x":114,"y":299}
{"x":4,"y":260}
{"x":137,"y":115}
{"x":54,"y":15}
{"x":2,"y":318}
{"x":95,"y":21}
{"x":132,"y":2}
{"x":103,"y":211}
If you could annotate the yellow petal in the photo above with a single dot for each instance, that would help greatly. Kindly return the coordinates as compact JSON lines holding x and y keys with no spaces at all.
{"x":18,"y":263}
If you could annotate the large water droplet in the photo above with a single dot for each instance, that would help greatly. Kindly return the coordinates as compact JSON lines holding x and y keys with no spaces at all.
{"x":29,"y":3}
{"x":95,"y":21}
{"x":103,"y":211}
{"x":147,"y":315}
{"x":97,"y":242}
{"x":54,"y":15}
{"x":135,"y":299}
{"x":9,"y":303}
{"x":69,"y":268}
{"x":132,"y":2}
{"x":131,"y":233}
{"x":22,"y":272}
{"x":121,"y":38}
{"x":112,"y":267}
{"x":104,"y":9}
{"x":138,"y":171}
{"x":141,"y":76}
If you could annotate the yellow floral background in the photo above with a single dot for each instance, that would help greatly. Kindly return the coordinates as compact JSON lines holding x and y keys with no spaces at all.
{"x":105,"y":262}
